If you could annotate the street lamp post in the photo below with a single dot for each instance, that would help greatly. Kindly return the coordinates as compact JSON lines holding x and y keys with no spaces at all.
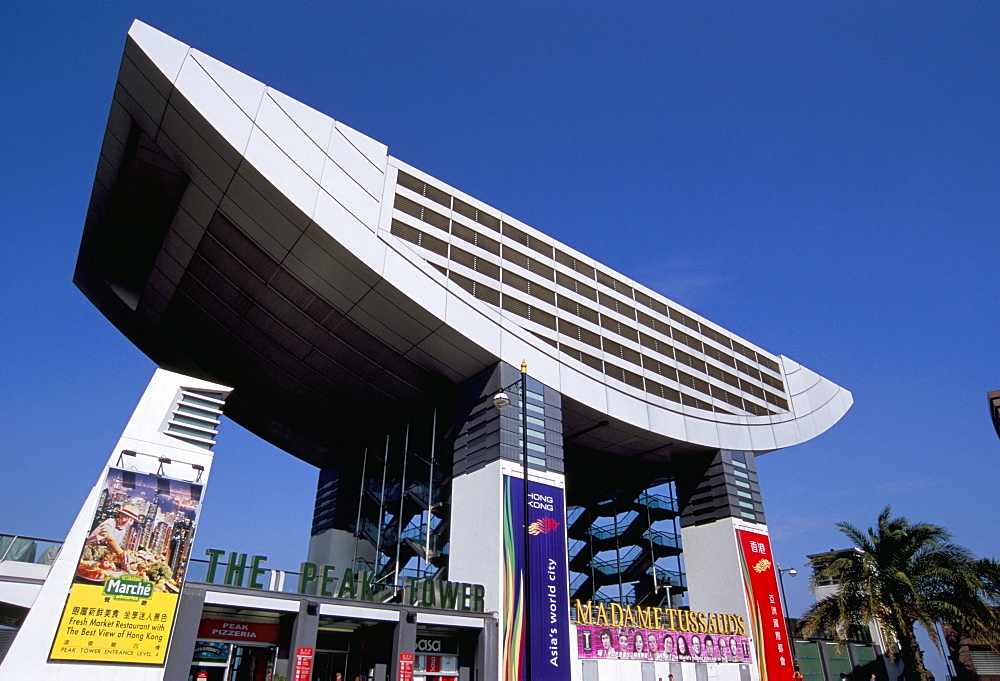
{"x":502,"y":400}
{"x":784,"y":610}
{"x":781,"y":582}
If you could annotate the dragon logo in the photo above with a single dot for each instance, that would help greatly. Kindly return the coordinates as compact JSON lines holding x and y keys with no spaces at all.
{"x":543,"y":526}
{"x":763,"y":565}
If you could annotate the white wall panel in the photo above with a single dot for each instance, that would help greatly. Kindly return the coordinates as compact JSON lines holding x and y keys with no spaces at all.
{"x":343,"y":226}
{"x":219,"y":110}
{"x":239,"y":87}
{"x":627,"y":408}
{"x":701,"y":431}
{"x":290,"y":138}
{"x":373,"y":150}
{"x":286,"y":176}
{"x":316,"y":125}
{"x":166,"y":52}
{"x":359,"y":167}
{"x":349,"y":193}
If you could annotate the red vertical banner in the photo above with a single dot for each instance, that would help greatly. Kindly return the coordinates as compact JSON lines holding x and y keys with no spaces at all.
{"x":406,"y":667}
{"x":303,"y":664}
{"x":767,"y":619}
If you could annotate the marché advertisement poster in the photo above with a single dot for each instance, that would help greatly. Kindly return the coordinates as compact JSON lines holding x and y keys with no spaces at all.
{"x":124,"y":594}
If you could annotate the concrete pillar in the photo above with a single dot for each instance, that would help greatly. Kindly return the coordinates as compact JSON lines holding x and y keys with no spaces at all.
{"x":404,"y":640}
{"x":305,"y":628}
{"x":149,"y":445}
{"x":488,"y":455}
{"x":182,"y":644}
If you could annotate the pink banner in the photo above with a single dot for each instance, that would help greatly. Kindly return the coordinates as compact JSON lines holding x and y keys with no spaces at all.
{"x":624,"y":643}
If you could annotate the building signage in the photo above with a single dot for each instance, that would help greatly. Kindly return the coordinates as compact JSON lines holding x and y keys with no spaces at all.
{"x":612,"y":631}
{"x":624,"y":643}
{"x":303,"y":664}
{"x":666,"y":619}
{"x":767,"y":620}
{"x":124,"y":594}
{"x":405,"y":667}
{"x":437,"y":645}
{"x":248,"y":632}
{"x":210,"y":651}
{"x":548,"y":648}
{"x":325,"y":580}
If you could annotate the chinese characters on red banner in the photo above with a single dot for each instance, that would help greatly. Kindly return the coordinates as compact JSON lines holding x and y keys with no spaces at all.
{"x":406,"y":667}
{"x":767,"y":620}
{"x":303,"y":664}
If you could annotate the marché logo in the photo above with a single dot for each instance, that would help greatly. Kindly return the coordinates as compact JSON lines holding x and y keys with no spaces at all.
{"x":128,"y":587}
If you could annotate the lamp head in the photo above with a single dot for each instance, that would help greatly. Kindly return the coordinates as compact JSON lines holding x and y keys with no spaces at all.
{"x":501,"y":400}
{"x":792,"y":572}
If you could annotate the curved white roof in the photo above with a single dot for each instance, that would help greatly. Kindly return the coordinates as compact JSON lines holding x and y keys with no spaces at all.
{"x":449,"y":282}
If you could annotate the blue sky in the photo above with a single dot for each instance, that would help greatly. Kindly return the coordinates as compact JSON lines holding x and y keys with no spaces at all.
{"x":820,"y":178}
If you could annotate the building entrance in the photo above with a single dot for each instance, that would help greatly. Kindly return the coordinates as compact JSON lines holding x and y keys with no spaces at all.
{"x":327,"y":664}
{"x":252,"y":663}
{"x":227,"y":662}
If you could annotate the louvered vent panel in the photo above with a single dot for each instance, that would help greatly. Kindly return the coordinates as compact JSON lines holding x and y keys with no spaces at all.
{"x":481,"y":291}
{"x":195,"y":418}
{"x":547,"y":340}
{"x":986,"y":661}
{"x":516,"y":234}
{"x":424,"y":189}
{"x":695,"y":336}
{"x":416,"y":210}
{"x":769,"y":363}
{"x":479,"y":216}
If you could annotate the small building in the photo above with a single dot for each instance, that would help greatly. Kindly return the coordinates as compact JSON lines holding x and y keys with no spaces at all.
{"x":825,"y":658}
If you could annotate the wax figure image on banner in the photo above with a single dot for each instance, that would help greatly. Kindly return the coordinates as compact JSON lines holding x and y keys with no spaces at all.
{"x":624,"y":643}
{"x":125,"y":589}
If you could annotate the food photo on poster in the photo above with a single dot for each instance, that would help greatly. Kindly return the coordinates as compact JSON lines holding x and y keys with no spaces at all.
{"x":142,"y":528}
{"x":126,"y":584}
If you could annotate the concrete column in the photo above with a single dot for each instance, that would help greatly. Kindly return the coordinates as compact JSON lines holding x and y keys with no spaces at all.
{"x":185,"y":635}
{"x":403,"y":641}
{"x":304,"y":630}
{"x":151,"y":448}
{"x":487,"y":450}
{"x":716,"y":492}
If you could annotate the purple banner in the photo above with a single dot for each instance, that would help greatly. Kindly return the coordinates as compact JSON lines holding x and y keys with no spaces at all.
{"x":624,"y":643}
{"x":548,"y":582}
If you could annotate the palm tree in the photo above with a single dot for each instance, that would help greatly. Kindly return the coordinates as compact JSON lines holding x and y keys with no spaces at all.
{"x":901,"y":574}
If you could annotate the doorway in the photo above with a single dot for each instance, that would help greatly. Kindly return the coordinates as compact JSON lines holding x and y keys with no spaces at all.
{"x":327,"y":664}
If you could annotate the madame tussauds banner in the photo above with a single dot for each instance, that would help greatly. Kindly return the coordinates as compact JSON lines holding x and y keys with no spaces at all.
{"x":615,"y":632}
{"x":123,"y":599}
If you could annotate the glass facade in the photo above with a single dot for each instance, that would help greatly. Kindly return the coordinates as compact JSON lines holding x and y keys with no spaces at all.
{"x":626,"y":548}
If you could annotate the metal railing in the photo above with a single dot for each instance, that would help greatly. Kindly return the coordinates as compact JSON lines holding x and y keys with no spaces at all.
{"x":658,"y":501}
{"x":21,"y":549}
{"x":660,"y":538}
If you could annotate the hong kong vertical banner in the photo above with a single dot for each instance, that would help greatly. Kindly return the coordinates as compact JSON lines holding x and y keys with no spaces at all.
{"x":548,"y":585}
{"x":767,"y":618}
